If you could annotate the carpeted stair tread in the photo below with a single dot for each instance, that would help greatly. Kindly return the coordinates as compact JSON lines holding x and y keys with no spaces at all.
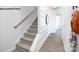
{"x":33,"y":27}
{"x":30,"y":35}
{"x":32,"y":31}
{"x":23,"y":45}
{"x":27,"y":39}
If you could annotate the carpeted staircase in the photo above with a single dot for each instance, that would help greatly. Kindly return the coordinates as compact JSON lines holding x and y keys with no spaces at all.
{"x":27,"y":40}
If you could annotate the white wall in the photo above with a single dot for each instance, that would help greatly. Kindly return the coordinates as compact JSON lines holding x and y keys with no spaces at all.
{"x":52,"y":23}
{"x":41,"y":18}
{"x":8,"y":19}
{"x":66,"y":17}
{"x":43,"y":10}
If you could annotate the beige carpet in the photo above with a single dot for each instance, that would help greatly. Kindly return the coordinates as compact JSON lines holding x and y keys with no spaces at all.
{"x":53,"y":44}
{"x":27,"y":39}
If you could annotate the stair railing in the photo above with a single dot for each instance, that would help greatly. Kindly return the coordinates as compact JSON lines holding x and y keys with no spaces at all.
{"x":16,"y":26}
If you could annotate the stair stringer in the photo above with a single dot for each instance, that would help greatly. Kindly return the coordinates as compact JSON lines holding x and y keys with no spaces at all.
{"x":39,"y":40}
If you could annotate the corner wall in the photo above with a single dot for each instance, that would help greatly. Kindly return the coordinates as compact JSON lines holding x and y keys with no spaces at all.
{"x":66,"y":29}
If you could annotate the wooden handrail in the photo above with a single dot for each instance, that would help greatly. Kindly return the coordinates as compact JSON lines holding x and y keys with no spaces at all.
{"x":24,"y":19}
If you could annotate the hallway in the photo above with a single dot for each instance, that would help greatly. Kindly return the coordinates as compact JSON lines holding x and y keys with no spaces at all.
{"x":53,"y":44}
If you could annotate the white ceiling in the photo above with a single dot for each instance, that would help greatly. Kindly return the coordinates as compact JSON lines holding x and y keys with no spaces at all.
{"x":56,"y":9}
